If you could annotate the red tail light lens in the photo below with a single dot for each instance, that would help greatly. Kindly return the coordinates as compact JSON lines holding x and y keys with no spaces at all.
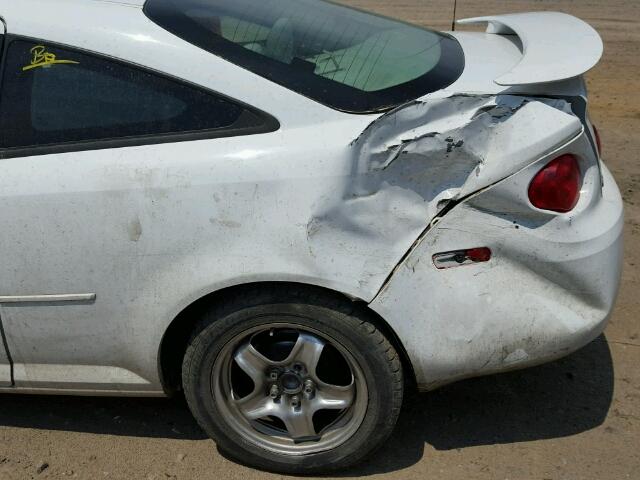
{"x":557,"y":186}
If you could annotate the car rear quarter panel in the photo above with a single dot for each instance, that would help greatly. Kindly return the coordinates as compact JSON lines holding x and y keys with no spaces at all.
{"x":548,"y":289}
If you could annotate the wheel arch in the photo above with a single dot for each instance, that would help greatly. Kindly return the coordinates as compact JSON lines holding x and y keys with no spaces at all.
{"x":177,"y":335}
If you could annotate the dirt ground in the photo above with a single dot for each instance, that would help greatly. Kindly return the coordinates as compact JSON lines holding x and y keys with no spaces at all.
{"x":578,"y":418}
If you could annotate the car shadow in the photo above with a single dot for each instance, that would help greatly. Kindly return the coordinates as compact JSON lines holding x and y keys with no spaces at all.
{"x":131,"y":417}
{"x":559,"y":399}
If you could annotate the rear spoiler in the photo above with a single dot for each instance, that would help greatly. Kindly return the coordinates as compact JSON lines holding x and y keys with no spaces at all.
{"x":555,"y":46}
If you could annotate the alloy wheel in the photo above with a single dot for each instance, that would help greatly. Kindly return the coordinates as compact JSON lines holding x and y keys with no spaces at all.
{"x":289,"y":389}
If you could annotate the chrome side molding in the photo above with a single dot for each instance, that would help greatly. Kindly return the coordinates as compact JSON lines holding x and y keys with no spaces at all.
{"x":70,"y":297}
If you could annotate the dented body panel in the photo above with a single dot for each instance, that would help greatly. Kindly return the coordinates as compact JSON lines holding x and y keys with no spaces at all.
{"x":357,"y":204}
{"x":548,"y":290}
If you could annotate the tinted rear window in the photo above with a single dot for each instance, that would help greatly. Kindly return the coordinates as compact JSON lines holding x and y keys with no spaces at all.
{"x":347,"y":59}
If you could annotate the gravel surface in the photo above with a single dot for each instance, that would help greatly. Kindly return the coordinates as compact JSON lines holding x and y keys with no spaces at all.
{"x":578,"y":418}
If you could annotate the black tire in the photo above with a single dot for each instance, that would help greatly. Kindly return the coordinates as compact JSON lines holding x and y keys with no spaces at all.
{"x":336,"y":318}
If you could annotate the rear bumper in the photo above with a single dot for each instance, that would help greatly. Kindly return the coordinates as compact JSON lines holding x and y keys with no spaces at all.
{"x":548,"y":290}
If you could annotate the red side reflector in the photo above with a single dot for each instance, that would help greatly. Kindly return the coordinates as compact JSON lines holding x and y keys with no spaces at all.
{"x":557,"y":186}
{"x":479,"y":254}
{"x":459,"y":258}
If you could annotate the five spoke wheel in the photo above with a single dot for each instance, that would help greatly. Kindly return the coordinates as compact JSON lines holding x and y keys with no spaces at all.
{"x":298,"y":391}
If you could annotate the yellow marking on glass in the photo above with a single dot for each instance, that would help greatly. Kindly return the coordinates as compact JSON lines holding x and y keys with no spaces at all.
{"x":42,"y":58}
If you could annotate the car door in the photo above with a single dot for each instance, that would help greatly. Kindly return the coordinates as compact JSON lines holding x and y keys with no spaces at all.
{"x":91,"y":179}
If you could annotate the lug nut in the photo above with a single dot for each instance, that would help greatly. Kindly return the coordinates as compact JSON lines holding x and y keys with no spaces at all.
{"x":295,"y":401}
{"x":274,"y":392}
{"x":309,"y":388}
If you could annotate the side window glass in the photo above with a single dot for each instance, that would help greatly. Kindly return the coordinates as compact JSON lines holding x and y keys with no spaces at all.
{"x":55,"y":96}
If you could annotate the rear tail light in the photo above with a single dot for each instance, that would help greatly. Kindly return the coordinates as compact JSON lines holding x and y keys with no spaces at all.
{"x":557,"y":186}
{"x":598,"y":140}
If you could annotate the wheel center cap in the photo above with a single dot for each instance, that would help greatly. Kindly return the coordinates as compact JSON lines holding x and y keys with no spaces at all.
{"x":291,"y":383}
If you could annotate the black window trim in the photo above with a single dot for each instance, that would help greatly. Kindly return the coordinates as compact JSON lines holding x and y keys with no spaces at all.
{"x":268,"y":122}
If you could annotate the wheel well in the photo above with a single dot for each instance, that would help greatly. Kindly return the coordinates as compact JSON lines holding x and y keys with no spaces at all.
{"x":177,"y":336}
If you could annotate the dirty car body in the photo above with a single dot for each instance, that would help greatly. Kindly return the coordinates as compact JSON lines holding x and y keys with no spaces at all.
{"x":383,"y":193}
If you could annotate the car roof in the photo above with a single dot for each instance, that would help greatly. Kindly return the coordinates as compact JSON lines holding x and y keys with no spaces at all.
{"x":35,"y":6}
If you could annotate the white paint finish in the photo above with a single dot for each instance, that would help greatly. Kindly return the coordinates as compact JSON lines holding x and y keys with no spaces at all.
{"x":64,"y":298}
{"x":548,"y":290}
{"x":330,"y":199}
{"x":488,"y":57}
{"x":62,"y":377}
{"x":154,"y":229}
{"x":556,"y":46}
{"x":151,"y":229}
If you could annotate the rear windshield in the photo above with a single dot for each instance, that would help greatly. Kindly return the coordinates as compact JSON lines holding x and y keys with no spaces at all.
{"x":344,"y":58}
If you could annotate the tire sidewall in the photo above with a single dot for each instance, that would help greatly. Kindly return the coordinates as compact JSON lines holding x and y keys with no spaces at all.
{"x":350,"y":332}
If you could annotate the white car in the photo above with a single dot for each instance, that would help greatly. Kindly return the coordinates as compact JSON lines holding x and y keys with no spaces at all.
{"x":294,"y":211}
